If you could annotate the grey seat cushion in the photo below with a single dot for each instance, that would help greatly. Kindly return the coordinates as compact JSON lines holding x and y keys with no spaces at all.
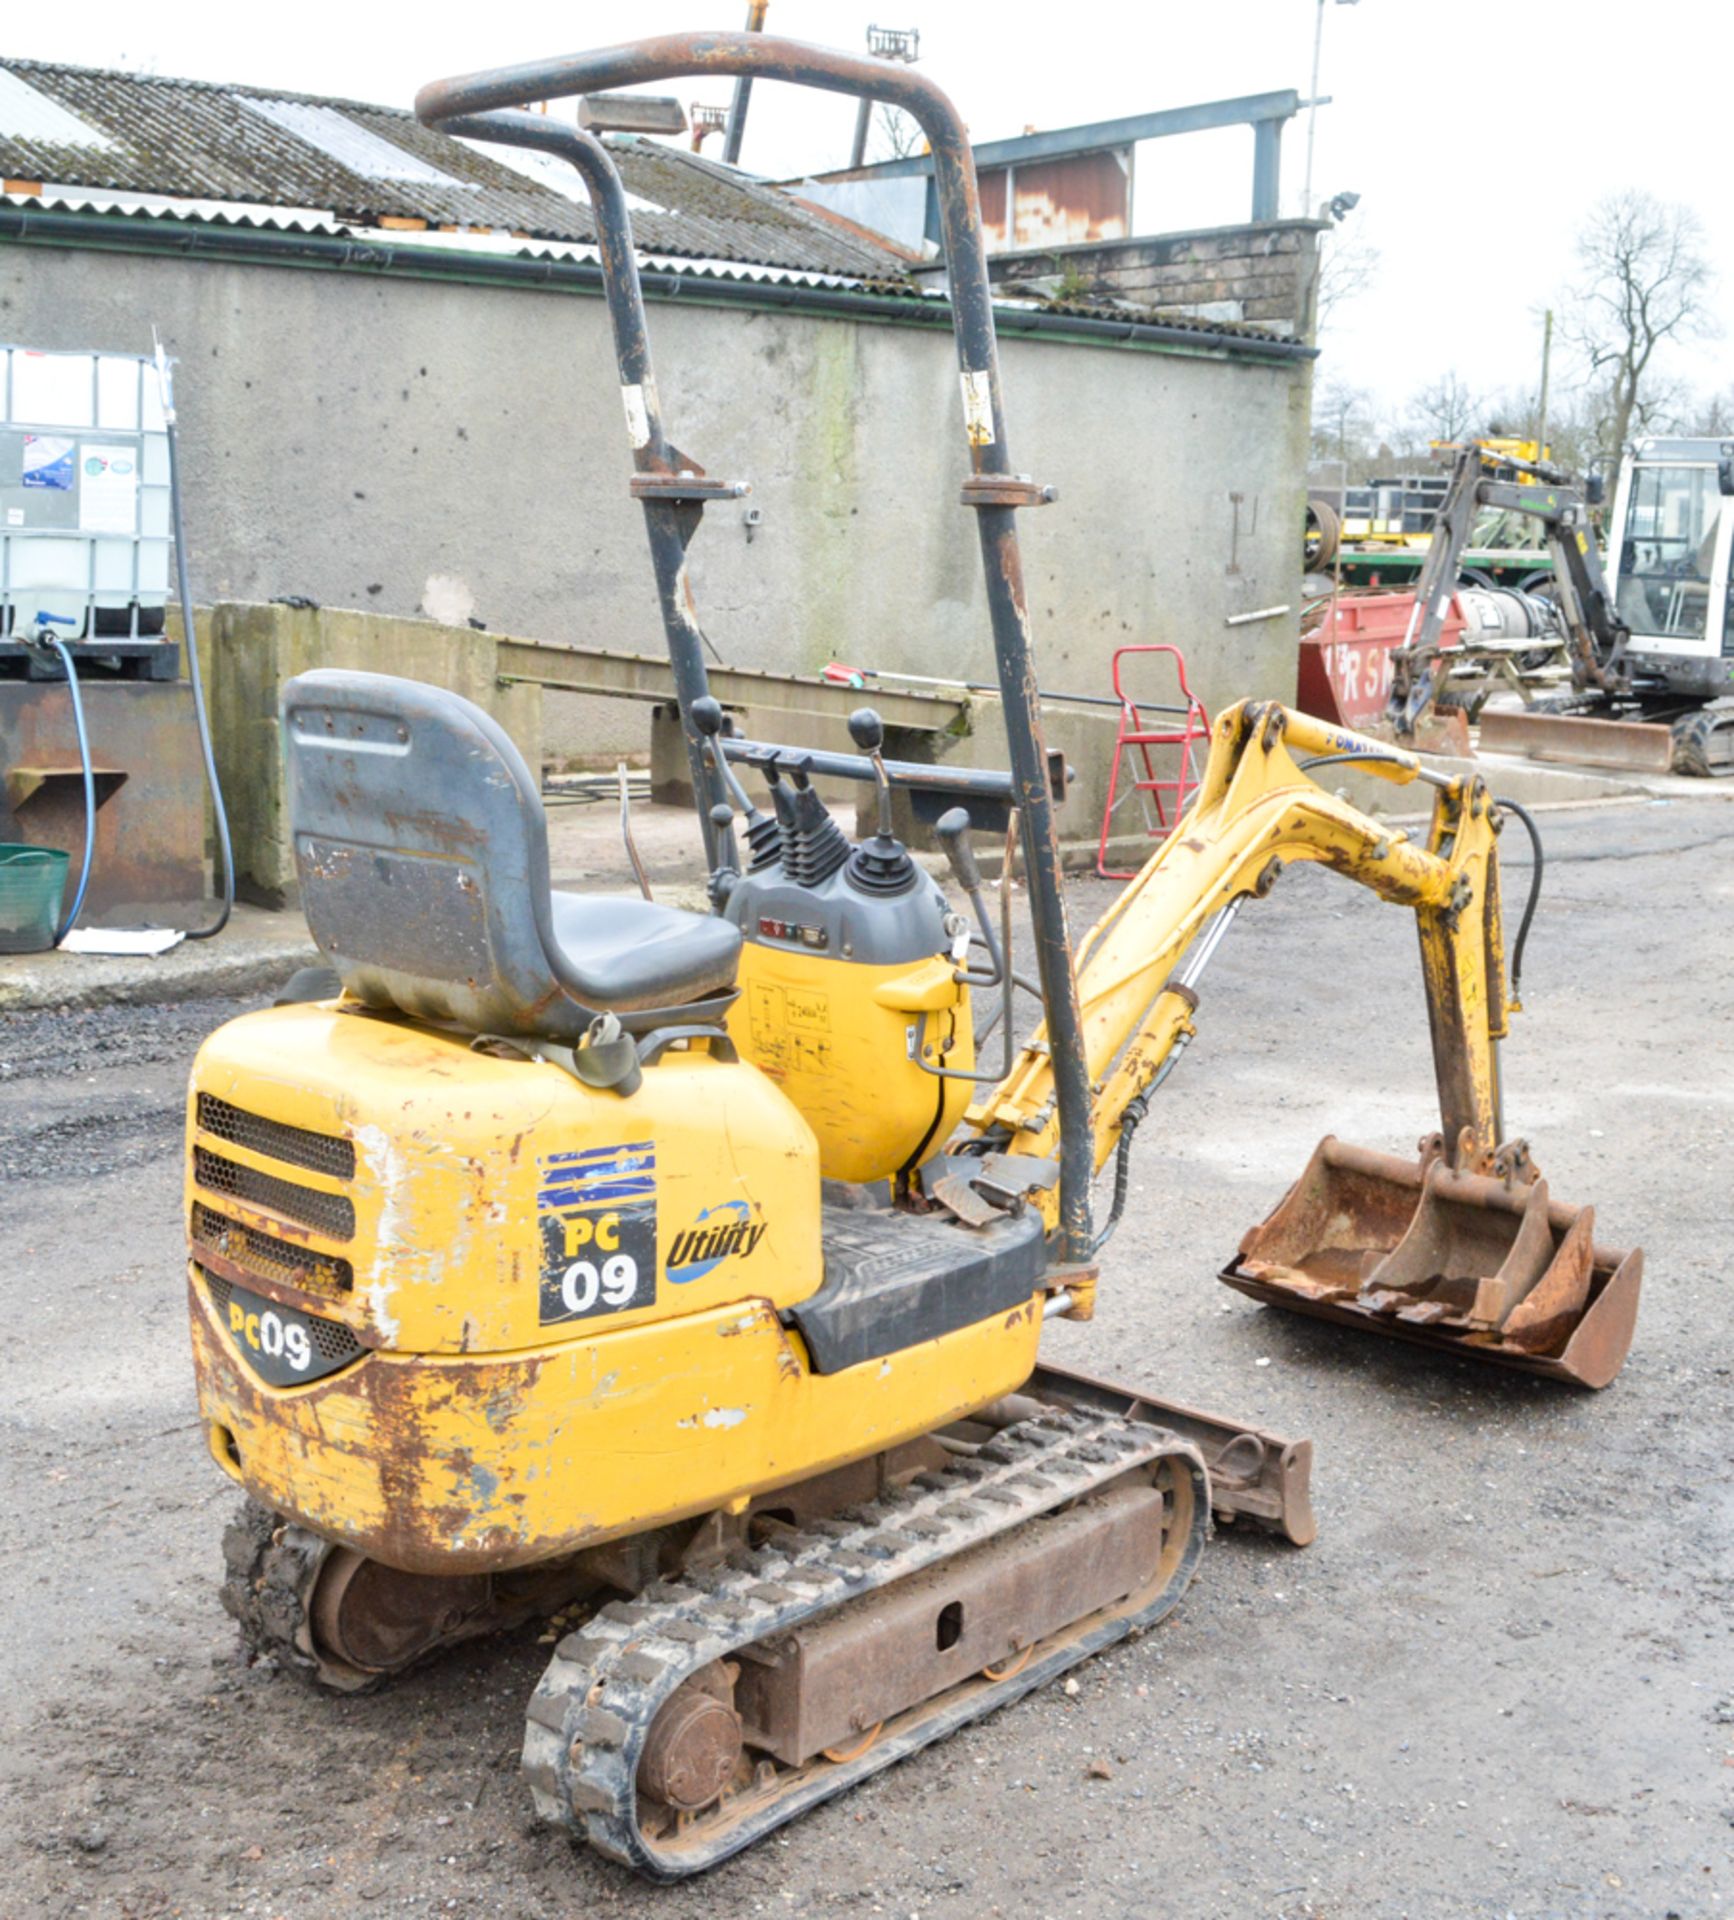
{"x":633,"y":953}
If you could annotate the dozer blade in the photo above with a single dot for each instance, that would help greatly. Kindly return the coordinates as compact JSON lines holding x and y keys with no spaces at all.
{"x":1458,"y":1261}
{"x":1579,"y":739}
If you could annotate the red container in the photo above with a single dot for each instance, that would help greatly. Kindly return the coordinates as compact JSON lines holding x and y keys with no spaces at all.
{"x":1345,"y":662}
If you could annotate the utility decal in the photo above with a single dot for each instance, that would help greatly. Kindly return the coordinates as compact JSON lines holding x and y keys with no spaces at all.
{"x":596,"y":1210}
{"x":729,"y":1230}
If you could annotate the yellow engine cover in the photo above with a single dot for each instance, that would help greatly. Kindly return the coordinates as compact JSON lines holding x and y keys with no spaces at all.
{"x":463,"y":1313}
{"x":836,"y":1034}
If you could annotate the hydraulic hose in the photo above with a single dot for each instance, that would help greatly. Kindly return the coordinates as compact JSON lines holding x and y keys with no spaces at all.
{"x":1131,"y":1119}
{"x":65,"y":652}
{"x":207,"y":752}
{"x":1504,"y":806}
{"x":1529,"y":905}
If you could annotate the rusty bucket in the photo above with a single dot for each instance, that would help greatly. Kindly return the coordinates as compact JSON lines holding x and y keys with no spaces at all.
{"x":1470,"y":1263}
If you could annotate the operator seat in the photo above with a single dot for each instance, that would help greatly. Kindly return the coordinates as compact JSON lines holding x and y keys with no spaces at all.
{"x":422,"y":853}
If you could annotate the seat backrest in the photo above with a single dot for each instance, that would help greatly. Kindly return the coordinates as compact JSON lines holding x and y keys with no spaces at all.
{"x":422,"y":852}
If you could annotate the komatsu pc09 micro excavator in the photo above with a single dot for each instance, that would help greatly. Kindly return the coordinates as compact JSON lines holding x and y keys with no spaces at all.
{"x":684,"y":1271}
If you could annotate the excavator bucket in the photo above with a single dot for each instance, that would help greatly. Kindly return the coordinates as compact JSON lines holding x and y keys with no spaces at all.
{"x":1464,"y":1262}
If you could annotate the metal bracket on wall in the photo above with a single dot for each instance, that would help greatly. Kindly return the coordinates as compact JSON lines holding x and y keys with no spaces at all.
{"x":685,"y":486}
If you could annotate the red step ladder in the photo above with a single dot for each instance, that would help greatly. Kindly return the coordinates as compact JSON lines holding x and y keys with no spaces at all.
{"x":1141,"y":731}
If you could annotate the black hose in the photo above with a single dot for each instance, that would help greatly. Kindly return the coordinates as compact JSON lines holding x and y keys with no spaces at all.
{"x":1344,"y":759}
{"x":78,"y":727}
{"x":1131,"y":1117}
{"x":1529,"y":906}
{"x":1134,"y":1112}
{"x":1507,"y":806}
{"x":221,"y":812}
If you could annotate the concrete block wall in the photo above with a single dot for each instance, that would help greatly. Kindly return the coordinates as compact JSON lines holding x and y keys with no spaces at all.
{"x":249,"y":652}
{"x":1262,"y":273}
{"x":458,"y":450}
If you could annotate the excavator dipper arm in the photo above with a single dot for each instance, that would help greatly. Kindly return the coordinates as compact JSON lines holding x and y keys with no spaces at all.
{"x":1463,"y":1247}
{"x":1256,"y":810}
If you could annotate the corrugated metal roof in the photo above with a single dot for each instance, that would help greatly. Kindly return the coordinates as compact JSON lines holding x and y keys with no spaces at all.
{"x":341,"y":139}
{"x":252,"y":146}
{"x":26,"y":114}
{"x":172,"y":213}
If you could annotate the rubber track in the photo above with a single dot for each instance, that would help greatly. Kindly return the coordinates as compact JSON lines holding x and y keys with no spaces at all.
{"x":589,"y":1716}
{"x":1704,"y":743}
{"x":270,"y":1565}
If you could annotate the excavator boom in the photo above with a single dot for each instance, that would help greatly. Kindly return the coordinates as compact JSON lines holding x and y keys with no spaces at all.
{"x":1461,"y":1247}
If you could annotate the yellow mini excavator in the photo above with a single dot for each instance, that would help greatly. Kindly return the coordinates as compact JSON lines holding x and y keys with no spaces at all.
{"x":683,"y":1270}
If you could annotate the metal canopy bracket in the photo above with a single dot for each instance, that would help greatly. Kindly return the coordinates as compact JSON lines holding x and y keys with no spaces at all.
{"x":685,"y":486}
{"x":1007,"y":490}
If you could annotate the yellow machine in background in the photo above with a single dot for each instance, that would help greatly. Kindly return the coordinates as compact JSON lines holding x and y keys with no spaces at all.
{"x":685,"y":1269}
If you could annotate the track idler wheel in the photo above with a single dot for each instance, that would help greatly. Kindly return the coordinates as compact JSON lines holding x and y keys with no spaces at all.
{"x":693,"y":1748}
{"x":352,"y":1623}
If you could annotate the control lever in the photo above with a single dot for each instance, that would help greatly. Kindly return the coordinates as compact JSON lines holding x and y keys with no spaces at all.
{"x":952,"y":827}
{"x":867,"y":730}
{"x":881,"y":864}
{"x":728,"y":860}
{"x":627,"y":840}
{"x":707,"y":716}
{"x":762,"y":836}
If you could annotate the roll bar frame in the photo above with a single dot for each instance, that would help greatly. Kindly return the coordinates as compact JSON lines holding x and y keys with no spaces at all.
{"x":674,"y":489}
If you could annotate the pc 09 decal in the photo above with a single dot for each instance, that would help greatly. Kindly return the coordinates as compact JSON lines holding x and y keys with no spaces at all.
{"x":596,"y":1212}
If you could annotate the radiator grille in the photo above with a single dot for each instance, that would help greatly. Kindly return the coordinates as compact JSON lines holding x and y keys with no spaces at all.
{"x":267,"y":1256}
{"x":332,"y":1214}
{"x":317,"y":1152}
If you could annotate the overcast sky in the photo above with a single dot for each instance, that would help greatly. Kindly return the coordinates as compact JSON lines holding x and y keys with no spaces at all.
{"x":1477,"y":132}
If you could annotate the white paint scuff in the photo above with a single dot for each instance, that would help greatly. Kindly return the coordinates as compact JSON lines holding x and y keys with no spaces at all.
{"x":391,"y":1176}
{"x":714,"y":1417}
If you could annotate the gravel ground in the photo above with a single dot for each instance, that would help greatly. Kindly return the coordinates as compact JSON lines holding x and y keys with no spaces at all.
{"x":1499,"y":1684}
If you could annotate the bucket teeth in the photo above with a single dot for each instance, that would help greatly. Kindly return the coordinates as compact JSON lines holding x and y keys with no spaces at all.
{"x":1470,"y":1262}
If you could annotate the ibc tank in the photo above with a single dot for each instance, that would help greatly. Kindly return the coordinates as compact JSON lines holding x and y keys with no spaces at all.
{"x":84,"y":495}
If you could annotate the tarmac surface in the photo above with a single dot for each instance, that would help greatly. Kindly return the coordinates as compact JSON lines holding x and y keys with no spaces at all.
{"x":1501,"y":1683}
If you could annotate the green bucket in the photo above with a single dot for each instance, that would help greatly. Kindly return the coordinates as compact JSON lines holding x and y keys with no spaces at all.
{"x":32,"y":884}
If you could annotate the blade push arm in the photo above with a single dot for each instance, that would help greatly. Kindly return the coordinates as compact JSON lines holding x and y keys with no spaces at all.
{"x":1257,"y":808}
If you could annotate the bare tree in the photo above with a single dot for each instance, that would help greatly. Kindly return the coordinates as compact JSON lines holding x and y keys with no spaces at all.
{"x":897,"y":135}
{"x":1445,"y":409}
{"x":1344,"y":270}
{"x":1714,"y":417}
{"x":1643,"y":283}
{"x":1344,"y":427}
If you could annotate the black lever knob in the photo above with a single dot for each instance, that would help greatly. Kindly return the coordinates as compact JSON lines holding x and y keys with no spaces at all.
{"x":707,"y":716}
{"x":952,"y":827}
{"x":866,"y":729}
